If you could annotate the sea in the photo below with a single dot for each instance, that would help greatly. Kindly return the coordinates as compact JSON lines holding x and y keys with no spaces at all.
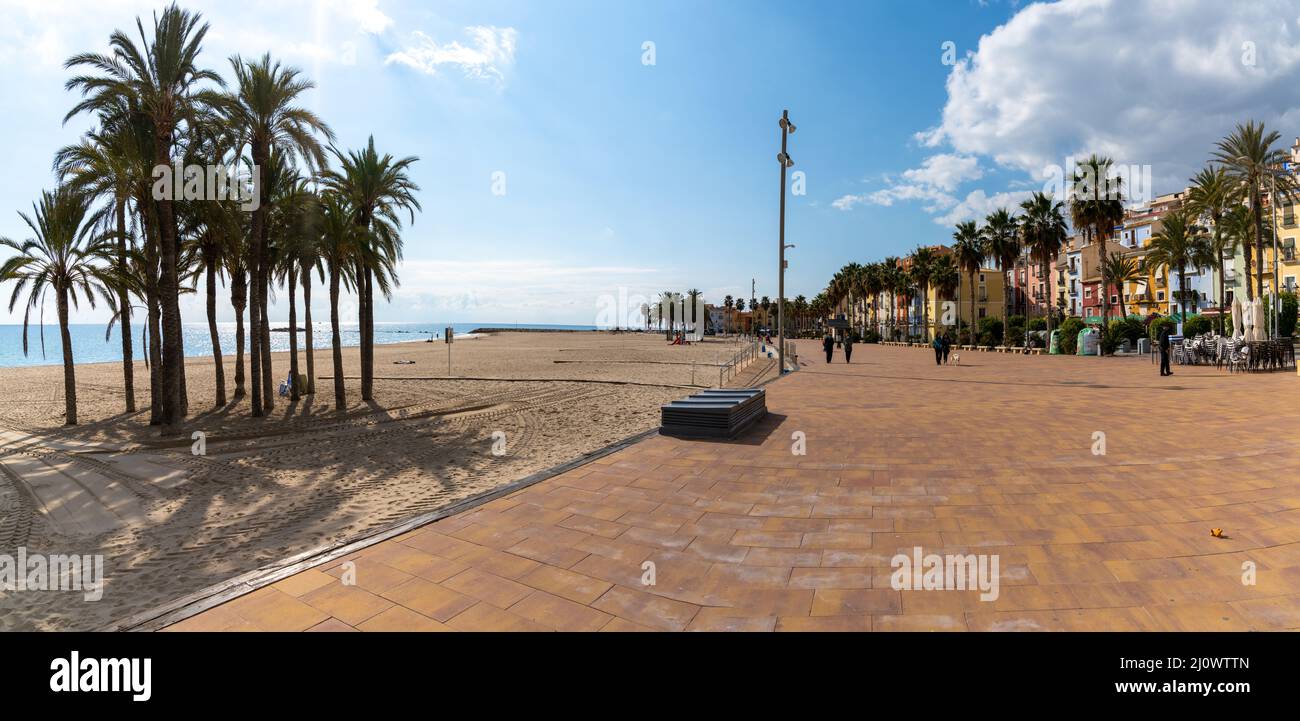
{"x":89,"y":344}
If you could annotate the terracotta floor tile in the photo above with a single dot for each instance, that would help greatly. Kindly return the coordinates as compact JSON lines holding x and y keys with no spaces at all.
{"x":498,"y":591}
{"x":429,"y":599}
{"x":567,"y":584}
{"x":349,"y":604}
{"x":399,"y":618}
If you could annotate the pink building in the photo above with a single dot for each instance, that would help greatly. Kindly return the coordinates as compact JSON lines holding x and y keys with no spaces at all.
{"x":1030,"y":293}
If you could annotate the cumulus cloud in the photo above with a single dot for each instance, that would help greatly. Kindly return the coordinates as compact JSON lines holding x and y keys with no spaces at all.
{"x":489,"y":52}
{"x":978,"y":204}
{"x":1144,"y":81}
{"x":945,"y":171}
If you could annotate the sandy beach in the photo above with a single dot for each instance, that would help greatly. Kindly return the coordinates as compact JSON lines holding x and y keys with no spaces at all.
{"x":169,"y":522}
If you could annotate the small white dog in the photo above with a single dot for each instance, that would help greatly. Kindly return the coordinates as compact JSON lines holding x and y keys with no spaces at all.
{"x":954,"y":359}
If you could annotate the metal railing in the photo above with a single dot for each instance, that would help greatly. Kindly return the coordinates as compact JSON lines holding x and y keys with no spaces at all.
{"x":738,"y":362}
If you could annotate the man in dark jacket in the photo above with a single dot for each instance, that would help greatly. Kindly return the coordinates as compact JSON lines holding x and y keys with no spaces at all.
{"x":1165,"y":332}
{"x":828,"y":345}
{"x":848,"y":348}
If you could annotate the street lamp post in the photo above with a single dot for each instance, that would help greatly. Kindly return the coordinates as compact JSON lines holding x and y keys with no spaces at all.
{"x":783,"y":158}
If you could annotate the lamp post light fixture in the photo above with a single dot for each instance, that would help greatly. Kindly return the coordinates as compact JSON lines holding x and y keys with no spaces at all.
{"x":784,"y":159}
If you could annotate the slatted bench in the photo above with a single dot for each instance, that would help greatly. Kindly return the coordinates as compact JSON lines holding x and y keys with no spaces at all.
{"x":715,"y":413}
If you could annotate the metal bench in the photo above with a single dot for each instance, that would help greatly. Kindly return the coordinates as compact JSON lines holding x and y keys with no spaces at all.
{"x":718,"y":413}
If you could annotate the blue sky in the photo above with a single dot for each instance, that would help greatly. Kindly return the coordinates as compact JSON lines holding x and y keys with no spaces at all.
{"x":620,"y":174}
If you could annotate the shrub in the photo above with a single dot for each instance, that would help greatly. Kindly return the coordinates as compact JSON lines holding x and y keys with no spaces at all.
{"x":1068,"y":340}
{"x":871,"y":337}
{"x":1196,"y":325}
{"x":991,"y":327}
{"x":1038,"y":324}
{"x":1125,"y":329}
{"x":1015,"y":331}
{"x":1290,"y":304}
{"x":1153,"y":328}
{"x":988,"y":339}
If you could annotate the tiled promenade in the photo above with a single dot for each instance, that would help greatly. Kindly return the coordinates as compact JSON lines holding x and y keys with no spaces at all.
{"x":996,"y":456}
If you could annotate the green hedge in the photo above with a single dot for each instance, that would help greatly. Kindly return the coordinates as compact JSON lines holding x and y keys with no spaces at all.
{"x":1196,"y":325}
{"x":1068,"y":340}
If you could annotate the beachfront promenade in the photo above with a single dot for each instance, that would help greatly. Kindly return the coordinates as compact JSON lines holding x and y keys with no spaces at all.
{"x":1000,"y":456}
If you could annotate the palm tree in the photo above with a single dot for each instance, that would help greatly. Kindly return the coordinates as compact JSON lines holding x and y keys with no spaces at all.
{"x":945,"y":278}
{"x":905,"y":290}
{"x":728,"y":303}
{"x":1118,"y":270}
{"x":263,"y":107}
{"x":1097,"y":205}
{"x":1179,"y":244}
{"x":872,"y":286}
{"x":800,"y":307}
{"x":161,"y":81}
{"x":1250,"y":160}
{"x":1043,"y":229}
{"x":1213,"y":194}
{"x":1239,"y":229}
{"x":1001,"y":244}
{"x":290,"y":232}
{"x":923,"y":260}
{"x":108,"y":164}
{"x":889,"y":281}
{"x":968,"y":249}
{"x":692,"y":296}
{"x":62,"y":256}
{"x":215,"y":225}
{"x":339,"y":242}
{"x":378,"y":189}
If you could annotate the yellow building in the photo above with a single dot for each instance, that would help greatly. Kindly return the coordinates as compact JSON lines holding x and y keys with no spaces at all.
{"x":990,"y":302}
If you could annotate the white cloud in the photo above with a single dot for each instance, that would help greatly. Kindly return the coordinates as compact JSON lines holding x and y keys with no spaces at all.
{"x":1147,"y":82}
{"x":946,"y":171}
{"x":491,"y":50}
{"x":977,"y":204}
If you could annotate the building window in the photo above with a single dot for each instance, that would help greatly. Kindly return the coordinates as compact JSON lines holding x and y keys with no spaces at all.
{"x":1113,"y":299}
{"x":1160,"y":295}
{"x":981,"y":313}
{"x":1087,"y":292}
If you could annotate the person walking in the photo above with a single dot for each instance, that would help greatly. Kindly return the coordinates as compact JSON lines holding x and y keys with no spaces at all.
{"x":1165,"y":332}
{"x":937,"y":344}
{"x":947,"y":346}
{"x":848,"y":348}
{"x":828,"y":345}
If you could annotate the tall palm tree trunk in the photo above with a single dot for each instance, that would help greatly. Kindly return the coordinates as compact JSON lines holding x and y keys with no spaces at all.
{"x":1259,"y":244}
{"x":173,"y":356}
{"x":970,"y":325}
{"x":1223,"y":296}
{"x":311,"y":354}
{"x":368,"y":339}
{"x":124,"y":304}
{"x":239,"y":299}
{"x":69,"y":368}
{"x":217,"y":363}
{"x":254,"y":318}
{"x":293,"y":333}
{"x":155,"y":357}
{"x":1047,"y":307}
{"x":264,"y":326}
{"x":340,"y":395}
